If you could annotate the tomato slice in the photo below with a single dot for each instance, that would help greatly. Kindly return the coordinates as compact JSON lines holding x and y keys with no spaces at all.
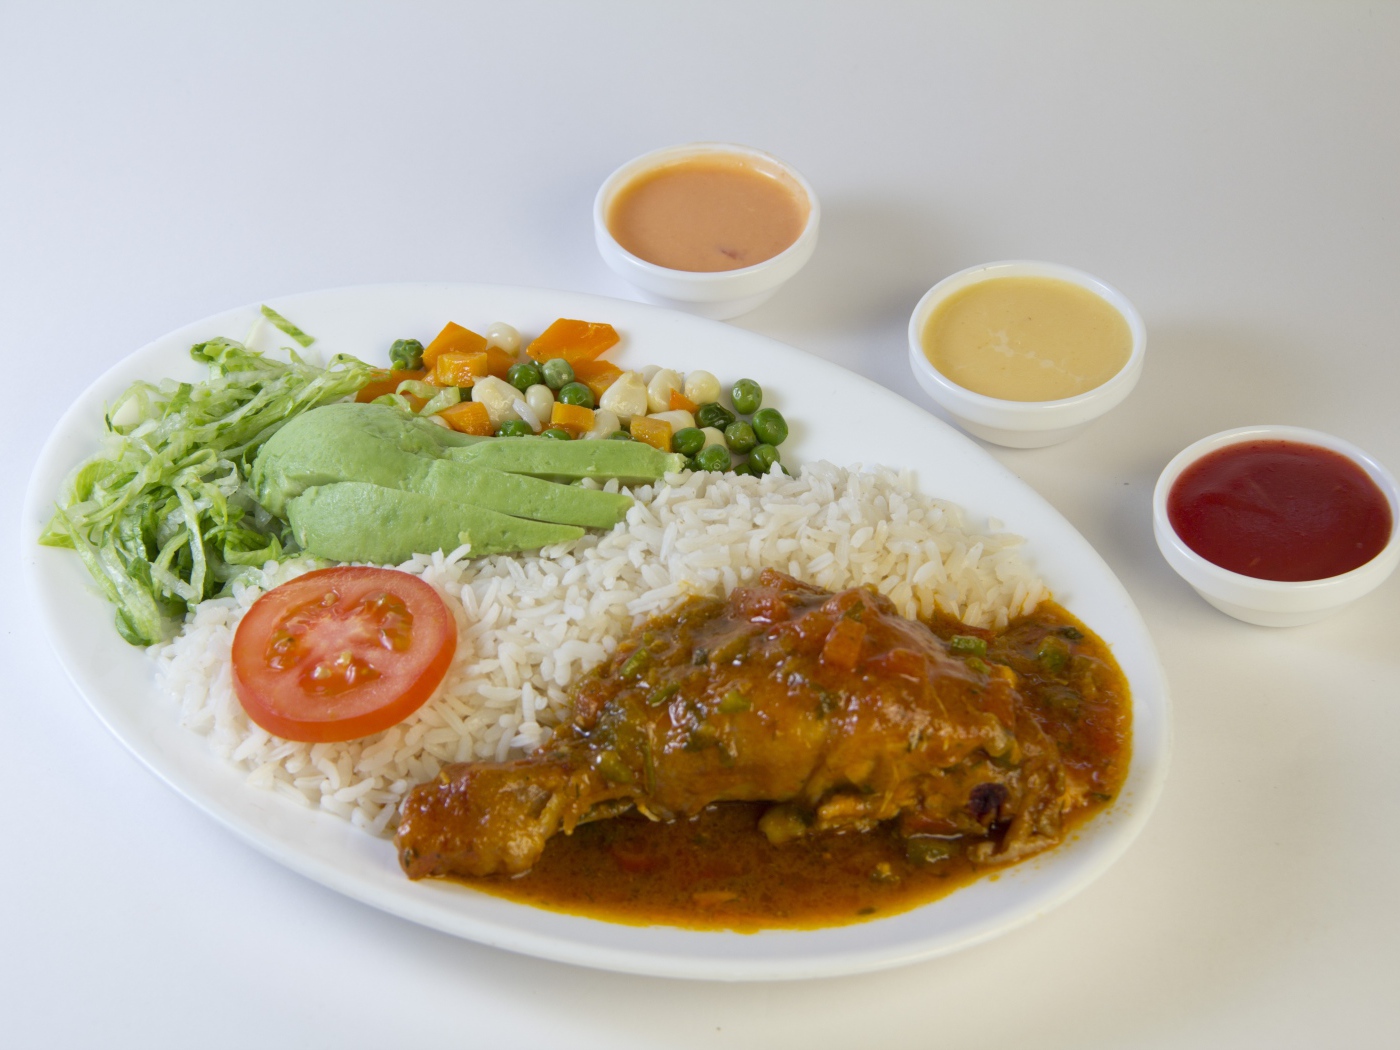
{"x":341,"y":653}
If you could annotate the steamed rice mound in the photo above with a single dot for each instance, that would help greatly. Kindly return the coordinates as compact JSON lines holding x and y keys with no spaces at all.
{"x":530,"y":625}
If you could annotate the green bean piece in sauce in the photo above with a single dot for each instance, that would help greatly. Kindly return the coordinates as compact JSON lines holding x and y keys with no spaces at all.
{"x":969,"y":644}
{"x":662,"y":694}
{"x":928,"y":849}
{"x":734,"y":703}
{"x":635,"y":664}
{"x":612,"y":768}
{"x":1053,"y":654}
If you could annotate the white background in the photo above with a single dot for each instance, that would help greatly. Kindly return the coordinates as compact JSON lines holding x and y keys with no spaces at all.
{"x":1233,"y":168}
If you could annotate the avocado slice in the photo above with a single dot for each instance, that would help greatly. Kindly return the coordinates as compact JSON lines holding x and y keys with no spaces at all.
{"x":358,"y":521}
{"x":383,"y":446}
{"x":628,"y":461}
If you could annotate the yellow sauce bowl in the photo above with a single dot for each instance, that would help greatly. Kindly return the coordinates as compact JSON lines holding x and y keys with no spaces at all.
{"x":1023,"y":424}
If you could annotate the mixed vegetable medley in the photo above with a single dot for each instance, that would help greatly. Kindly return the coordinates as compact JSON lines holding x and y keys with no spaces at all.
{"x":562,"y":388}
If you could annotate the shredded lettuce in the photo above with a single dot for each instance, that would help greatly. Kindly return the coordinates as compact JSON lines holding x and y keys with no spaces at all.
{"x":163,"y":517}
{"x":287,"y":328}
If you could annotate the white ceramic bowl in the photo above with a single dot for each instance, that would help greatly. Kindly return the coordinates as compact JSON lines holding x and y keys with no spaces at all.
{"x":1023,"y":424}
{"x":1273,"y":603}
{"x":718,"y":295}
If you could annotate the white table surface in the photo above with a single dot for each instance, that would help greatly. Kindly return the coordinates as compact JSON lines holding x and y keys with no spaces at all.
{"x":1235,"y":169}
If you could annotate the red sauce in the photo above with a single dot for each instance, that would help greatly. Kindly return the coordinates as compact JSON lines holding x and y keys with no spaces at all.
{"x":1280,"y":510}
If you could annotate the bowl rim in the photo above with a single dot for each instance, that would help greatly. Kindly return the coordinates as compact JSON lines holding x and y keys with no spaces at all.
{"x":625,"y":172}
{"x":1027,"y":415}
{"x":1382,"y":563}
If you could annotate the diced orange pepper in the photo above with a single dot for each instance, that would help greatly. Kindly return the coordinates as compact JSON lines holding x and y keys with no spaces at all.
{"x":597,"y":375}
{"x":574,"y":341}
{"x":842,"y":647}
{"x":469,"y":417}
{"x":387,"y":383}
{"x":498,"y":362}
{"x":679,"y":400}
{"x":454,"y":339}
{"x":455,"y":369}
{"x":654,"y":432}
{"x":574,"y":418}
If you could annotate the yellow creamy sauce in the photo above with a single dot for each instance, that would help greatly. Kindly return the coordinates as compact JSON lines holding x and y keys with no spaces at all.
{"x":708,"y":213}
{"x":1027,"y":339}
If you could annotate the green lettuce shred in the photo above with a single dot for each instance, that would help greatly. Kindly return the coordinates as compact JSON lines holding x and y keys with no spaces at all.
{"x":163,"y":517}
{"x":287,"y":328}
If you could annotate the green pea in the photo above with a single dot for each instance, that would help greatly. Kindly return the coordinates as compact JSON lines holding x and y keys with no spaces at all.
{"x":690,"y":463}
{"x":715,"y":457}
{"x":575,"y":394}
{"x":514,"y":428}
{"x":713,"y":414}
{"x":524,"y":375}
{"x":406,"y":353}
{"x":770,"y":426}
{"x":762,"y":457}
{"x":747,"y":396}
{"x":557,"y":433}
{"x":558,"y":373}
{"x":744,"y":468}
{"x":619,"y":435}
{"x":688,"y":441}
{"x":740,"y":436}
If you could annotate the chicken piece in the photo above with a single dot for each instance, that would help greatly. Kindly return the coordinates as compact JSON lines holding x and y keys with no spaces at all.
{"x":833,"y":707}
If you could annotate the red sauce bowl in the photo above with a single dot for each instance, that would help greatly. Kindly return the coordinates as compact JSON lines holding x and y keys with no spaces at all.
{"x":1277,"y":525}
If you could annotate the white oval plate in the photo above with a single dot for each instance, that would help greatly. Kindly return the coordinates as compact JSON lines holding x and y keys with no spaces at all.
{"x":117,"y":680}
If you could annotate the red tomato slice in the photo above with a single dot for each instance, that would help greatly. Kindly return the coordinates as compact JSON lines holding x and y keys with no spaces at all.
{"x":341,"y":653}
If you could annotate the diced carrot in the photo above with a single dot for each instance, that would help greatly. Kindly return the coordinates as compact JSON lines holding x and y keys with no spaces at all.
{"x":574,"y":418}
{"x":597,"y":375}
{"x":574,"y":341}
{"x":469,"y":417}
{"x":679,"y":400}
{"x":654,"y":432}
{"x":636,"y":860}
{"x":457,"y":369}
{"x":842,"y":647}
{"x":389,"y":382}
{"x":498,"y":362}
{"x":455,"y":339}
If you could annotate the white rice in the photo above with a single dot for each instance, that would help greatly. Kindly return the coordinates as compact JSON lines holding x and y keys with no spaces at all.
{"x":530,"y":625}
